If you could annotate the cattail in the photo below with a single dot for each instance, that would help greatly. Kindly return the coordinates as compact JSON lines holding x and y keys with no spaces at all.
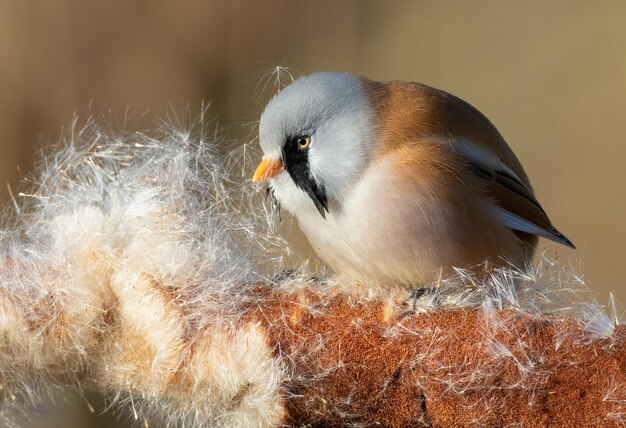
{"x":144,"y":267}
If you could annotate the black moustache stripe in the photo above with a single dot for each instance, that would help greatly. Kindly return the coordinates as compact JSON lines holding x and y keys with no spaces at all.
{"x":296,"y":162}
{"x":318,"y":196}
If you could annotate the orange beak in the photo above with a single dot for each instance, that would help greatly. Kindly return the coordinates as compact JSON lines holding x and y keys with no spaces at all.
{"x":266,"y":169}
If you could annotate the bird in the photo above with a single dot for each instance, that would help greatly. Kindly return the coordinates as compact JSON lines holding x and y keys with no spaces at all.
{"x":397,"y":182}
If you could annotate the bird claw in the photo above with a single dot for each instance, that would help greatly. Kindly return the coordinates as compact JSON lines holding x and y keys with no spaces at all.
{"x":418,"y":293}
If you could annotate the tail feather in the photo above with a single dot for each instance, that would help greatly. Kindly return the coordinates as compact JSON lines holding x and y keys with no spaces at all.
{"x":515,"y":222}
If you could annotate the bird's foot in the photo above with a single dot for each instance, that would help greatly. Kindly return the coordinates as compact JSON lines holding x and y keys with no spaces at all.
{"x":419,"y":293}
{"x":287,"y":274}
{"x":283,"y":275}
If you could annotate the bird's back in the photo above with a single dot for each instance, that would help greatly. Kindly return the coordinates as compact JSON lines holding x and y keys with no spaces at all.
{"x":409,"y":112}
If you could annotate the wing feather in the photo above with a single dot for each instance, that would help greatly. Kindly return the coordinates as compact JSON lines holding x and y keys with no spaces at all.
{"x":411,"y":112}
{"x":514,"y":203}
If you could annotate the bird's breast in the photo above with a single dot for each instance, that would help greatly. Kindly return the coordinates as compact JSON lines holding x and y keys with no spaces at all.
{"x":382,"y":232}
{"x":407,"y":233}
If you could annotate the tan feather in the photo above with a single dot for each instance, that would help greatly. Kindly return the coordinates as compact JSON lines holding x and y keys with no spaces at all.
{"x":409,"y":112}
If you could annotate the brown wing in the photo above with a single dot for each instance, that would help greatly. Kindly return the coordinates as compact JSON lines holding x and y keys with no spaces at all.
{"x":409,"y":110}
{"x":515,"y":204}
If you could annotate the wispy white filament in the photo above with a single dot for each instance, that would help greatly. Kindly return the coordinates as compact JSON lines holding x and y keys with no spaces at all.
{"x":155,"y":240}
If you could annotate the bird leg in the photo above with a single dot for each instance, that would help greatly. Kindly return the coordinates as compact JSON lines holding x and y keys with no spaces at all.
{"x":418,"y":293}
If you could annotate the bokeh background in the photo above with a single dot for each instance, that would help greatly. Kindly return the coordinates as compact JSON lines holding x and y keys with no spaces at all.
{"x":550,"y":75}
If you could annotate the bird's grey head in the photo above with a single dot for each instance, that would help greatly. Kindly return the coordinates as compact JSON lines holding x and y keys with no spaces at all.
{"x":320,"y":128}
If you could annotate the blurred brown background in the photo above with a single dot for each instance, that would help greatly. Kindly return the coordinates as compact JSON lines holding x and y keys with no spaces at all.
{"x":550,"y":75}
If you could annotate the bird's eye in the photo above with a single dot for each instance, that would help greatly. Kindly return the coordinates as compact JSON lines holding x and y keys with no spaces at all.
{"x":303,"y":141}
